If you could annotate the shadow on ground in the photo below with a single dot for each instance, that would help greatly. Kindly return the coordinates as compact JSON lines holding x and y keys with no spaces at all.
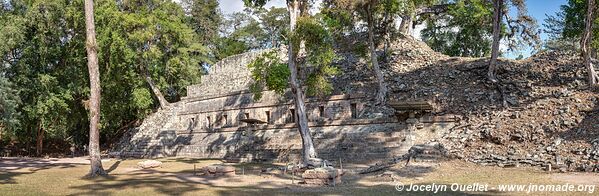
{"x":10,"y":168}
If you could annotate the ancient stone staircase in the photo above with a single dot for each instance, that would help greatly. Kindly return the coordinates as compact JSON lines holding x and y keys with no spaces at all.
{"x":150,"y":138}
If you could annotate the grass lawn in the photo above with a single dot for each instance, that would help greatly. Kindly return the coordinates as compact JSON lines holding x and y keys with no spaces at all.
{"x":176,"y":177}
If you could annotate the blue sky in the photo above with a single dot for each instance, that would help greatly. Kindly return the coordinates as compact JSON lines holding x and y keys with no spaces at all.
{"x":536,"y":8}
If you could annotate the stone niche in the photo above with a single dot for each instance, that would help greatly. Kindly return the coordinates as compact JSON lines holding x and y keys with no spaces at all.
{"x":273,"y":110}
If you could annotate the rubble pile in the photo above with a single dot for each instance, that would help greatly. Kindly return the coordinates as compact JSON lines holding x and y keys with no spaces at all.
{"x":541,"y":112}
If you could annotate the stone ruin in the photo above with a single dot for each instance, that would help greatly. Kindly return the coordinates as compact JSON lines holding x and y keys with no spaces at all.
{"x":220,"y":119}
{"x":322,"y":176}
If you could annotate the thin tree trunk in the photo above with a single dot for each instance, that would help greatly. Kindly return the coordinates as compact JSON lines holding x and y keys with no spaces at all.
{"x":163,"y":102}
{"x":382,"y":92}
{"x":586,"y":42}
{"x":40,"y":140}
{"x":406,"y":24}
{"x":388,"y":22}
{"x":308,"y":151}
{"x":94,"y":80}
{"x":497,"y":5}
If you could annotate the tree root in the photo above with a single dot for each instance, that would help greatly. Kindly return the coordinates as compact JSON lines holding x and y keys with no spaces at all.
{"x":501,"y":89}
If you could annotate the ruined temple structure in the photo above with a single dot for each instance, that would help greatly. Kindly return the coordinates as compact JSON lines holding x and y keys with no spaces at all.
{"x":220,"y":119}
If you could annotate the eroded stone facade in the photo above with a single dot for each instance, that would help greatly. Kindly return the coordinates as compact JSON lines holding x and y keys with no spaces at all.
{"x":207,"y":123}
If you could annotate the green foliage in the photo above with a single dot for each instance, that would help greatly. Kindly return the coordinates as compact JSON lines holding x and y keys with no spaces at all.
{"x":142,"y":100}
{"x":318,"y":81}
{"x":259,"y":29}
{"x":466,"y":30}
{"x":349,"y":18}
{"x":338,"y":19}
{"x":566,"y":26}
{"x":45,"y":60}
{"x":240,"y":33}
{"x":144,"y":39}
{"x":228,"y":46}
{"x":205,"y":18}
{"x":9,"y":102}
{"x":320,"y":55}
{"x":268,"y":72}
{"x":275,"y":22}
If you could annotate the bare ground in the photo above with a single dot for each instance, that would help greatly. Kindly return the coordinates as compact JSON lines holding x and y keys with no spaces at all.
{"x":66,"y":176}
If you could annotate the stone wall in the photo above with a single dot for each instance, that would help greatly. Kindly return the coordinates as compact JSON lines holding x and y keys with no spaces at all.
{"x":208,"y":124}
{"x":229,"y":75}
{"x":228,"y":111}
{"x":355,"y":141}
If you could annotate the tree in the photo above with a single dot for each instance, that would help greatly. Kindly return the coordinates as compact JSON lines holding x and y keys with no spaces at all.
{"x":154,"y":41}
{"x":276,"y":23}
{"x":205,"y":18}
{"x":586,"y":43}
{"x":520,"y":31}
{"x":9,"y":102}
{"x":555,"y":28}
{"x":94,"y":80}
{"x":308,"y":149}
{"x":254,"y":29}
{"x":497,"y":9}
{"x":381,"y":95}
{"x":575,"y":22}
{"x":368,"y":10}
{"x":465,"y":29}
{"x":240,"y":33}
{"x":567,"y":26}
{"x":40,"y":39}
{"x":411,"y":9}
{"x":295,"y":9}
{"x":42,"y":57}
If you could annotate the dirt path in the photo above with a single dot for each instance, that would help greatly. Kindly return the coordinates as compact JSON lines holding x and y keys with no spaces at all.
{"x":577,"y":178}
{"x":65,"y":176}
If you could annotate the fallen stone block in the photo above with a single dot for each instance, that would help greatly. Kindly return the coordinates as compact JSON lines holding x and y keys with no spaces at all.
{"x":322,"y":176}
{"x":149,"y":164}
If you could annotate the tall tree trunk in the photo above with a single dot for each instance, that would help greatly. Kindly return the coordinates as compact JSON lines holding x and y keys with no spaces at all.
{"x":94,"y":80}
{"x":382,"y":92}
{"x":155,"y":89}
{"x":586,"y":44}
{"x":308,"y":151}
{"x":497,"y":5}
